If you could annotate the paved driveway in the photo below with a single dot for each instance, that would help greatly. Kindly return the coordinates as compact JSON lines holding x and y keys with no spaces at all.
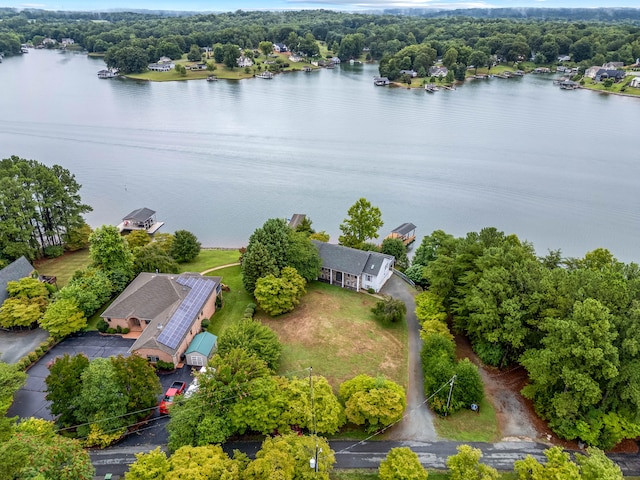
{"x":29,"y":401}
{"x":15,"y":345}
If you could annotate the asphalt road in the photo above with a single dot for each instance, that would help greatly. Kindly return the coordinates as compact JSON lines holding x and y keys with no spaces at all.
{"x":434,"y":455}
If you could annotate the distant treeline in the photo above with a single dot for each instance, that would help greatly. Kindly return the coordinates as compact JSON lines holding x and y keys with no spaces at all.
{"x":571,"y":14}
{"x":517,"y":34}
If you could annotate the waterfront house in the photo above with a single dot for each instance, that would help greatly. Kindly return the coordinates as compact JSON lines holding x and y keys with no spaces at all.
{"x":67,"y":41}
{"x":335,"y":60}
{"x":200,"y":349}
{"x":635,"y":82}
{"x":438,"y":71}
{"x":603,"y":74}
{"x":542,"y":70}
{"x":280,"y":47}
{"x":380,"y":81}
{"x":613,"y":65}
{"x":164,"y":60}
{"x":49,"y":41}
{"x":161,"y":67}
{"x":411,"y":73}
{"x":17,"y":270}
{"x":140,"y":219}
{"x":167,"y":310}
{"x":591,"y":71}
{"x":199,"y":66}
{"x":294,"y":57}
{"x":244,"y":61}
{"x":352,"y":268}
{"x":564,"y":58}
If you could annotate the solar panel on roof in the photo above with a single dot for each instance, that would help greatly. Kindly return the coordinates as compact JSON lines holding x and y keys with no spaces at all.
{"x":182,"y":318}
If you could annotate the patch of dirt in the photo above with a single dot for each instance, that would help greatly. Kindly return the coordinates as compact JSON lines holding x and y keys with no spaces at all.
{"x":517,"y":419}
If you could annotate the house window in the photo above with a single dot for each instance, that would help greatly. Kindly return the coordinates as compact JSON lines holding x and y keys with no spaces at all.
{"x":108,"y":319}
{"x":147,"y":322}
{"x":369,"y":278}
{"x":153,"y":358}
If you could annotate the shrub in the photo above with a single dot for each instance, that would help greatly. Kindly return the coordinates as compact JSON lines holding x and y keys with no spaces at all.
{"x":23,"y":363}
{"x":389,"y":310}
{"x":40,"y":351}
{"x":205,"y":323}
{"x":118,"y":329}
{"x":51,"y":341}
{"x":162,"y":365}
{"x":53,"y":251}
{"x":371,"y":290}
{"x":125,"y":330}
{"x":111,"y":330}
{"x":253,"y":306}
{"x":102,"y":325}
{"x":33,"y":356}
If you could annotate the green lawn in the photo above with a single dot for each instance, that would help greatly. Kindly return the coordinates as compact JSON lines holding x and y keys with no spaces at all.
{"x":468,"y":426}
{"x":621,"y":87}
{"x":333,"y":331}
{"x":235,"y":301}
{"x":65,"y":266}
{"x":210,"y":258}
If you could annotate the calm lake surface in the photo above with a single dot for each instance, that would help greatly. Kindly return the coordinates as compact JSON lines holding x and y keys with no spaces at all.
{"x":558,"y":168}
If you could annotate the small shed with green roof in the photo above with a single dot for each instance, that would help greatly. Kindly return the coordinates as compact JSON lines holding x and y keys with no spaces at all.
{"x":200,"y":349}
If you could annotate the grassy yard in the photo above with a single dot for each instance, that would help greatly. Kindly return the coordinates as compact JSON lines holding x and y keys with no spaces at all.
{"x":210,"y":258}
{"x":65,"y":266}
{"x":468,"y":426}
{"x":621,"y":87}
{"x":235,"y":301}
{"x":333,"y":331}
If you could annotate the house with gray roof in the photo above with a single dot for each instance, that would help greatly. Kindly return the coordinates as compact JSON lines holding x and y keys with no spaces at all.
{"x":167,"y":310}
{"x":13,"y":272}
{"x":352,"y":268}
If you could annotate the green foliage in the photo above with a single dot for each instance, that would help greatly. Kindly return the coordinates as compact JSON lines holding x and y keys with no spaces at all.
{"x":185,"y":246}
{"x":597,"y":466}
{"x":137,"y":239}
{"x":62,"y":318}
{"x":416,"y":273}
{"x":27,"y":302}
{"x":89,"y":289}
{"x":152,"y":258}
{"x":389,"y":310}
{"x":257,"y":262}
{"x":373,"y":402}
{"x":362,"y":223}
{"x":153,"y":465}
{"x":253,"y":337}
{"x":109,"y":251}
{"x":102,"y":325}
{"x":465,"y":465}
{"x":36,"y":452}
{"x":402,"y":464}
{"x":11,"y":380}
{"x":166,"y":366}
{"x":53,"y":251}
{"x":287,"y":457}
{"x":127,"y":59}
{"x":77,"y":238}
{"x":278,"y":295}
{"x":303,"y":256}
{"x":39,"y":204}
{"x":204,"y":462}
{"x":194,"y":55}
{"x":559,"y":465}
{"x":468,"y":387}
{"x":430,"y":307}
{"x":396,"y":248}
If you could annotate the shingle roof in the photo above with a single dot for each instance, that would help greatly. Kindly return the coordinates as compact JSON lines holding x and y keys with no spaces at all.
{"x":404,"y":228}
{"x":16,"y":270}
{"x":202,"y":343}
{"x":140,"y":215}
{"x":350,"y":260}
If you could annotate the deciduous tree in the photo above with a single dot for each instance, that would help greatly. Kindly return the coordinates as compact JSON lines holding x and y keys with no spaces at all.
{"x":402,"y":464}
{"x":185,"y":246}
{"x":362,"y":223}
{"x":254,"y":337}
{"x":62,"y":318}
{"x":465,"y":465}
{"x":64,"y":383}
{"x":278,"y":295}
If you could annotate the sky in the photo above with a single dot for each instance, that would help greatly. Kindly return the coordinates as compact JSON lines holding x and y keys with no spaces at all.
{"x":345,"y":5}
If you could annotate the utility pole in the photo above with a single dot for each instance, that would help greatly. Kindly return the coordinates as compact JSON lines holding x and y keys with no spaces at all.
{"x":313,"y":463}
{"x":453,"y":379}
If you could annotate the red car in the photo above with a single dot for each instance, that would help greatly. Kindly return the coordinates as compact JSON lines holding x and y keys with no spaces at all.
{"x":176,"y":388}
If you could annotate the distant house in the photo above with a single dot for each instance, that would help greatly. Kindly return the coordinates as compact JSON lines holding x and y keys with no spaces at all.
{"x":17,"y":270}
{"x":167,"y":309}
{"x":161,"y":67}
{"x":280,"y":47}
{"x":49,"y":41}
{"x":411,"y":73}
{"x":141,"y":219}
{"x":335,"y":60}
{"x":200,"y":349}
{"x":294,"y":57}
{"x":199,"y":66}
{"x":438,"y":71}
{"x":613,"y":65}
{"x":603,"y":74}
{"x":591,"y":71}
{"x":380,"y":81}
{"x":542,"y":70}
{"x":564,"y":58}
{"x":164,"y":60}
{"x":635,"y":82}
{"x":353,"y":269}
{"x":67,"y":41}
{"x":244,"y":61}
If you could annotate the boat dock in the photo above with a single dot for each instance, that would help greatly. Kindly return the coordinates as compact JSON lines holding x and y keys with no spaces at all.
{"x":405,"y":232}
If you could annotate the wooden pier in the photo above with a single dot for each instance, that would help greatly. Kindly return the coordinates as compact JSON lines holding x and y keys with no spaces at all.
{"x":405,"y":232}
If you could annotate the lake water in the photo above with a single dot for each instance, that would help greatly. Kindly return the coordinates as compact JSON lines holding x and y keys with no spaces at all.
{"x":558,"y":168}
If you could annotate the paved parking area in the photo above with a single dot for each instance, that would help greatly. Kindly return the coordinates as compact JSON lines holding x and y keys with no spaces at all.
{"x":15,"y":345}
{"x":29,"y":401}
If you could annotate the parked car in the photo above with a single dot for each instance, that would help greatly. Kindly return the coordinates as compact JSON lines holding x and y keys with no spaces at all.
{"x":176,"y":388}
{"x":193,"y":388}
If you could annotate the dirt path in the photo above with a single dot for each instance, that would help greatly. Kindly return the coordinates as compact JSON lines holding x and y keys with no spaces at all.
{"x":417,"y":424}
{"x":516,"y":417}
{"x":219,"y":268}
